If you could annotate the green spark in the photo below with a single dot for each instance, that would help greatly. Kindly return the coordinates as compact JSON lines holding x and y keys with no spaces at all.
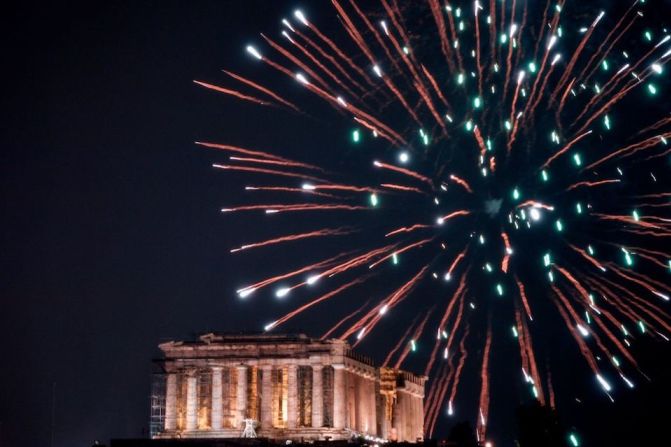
{"x":652,"y":89}
{"x":576,"y":159}
{"x":394,"y":259}
{"x":544,"y":175}
{"x":356,"y":135}
{"x":546,"y":259}
{"x":516,"y":193}
{"x":499,"y":289}
{"x":574,"y":440}
{"x":373,"y":200}
{"x":559,"y":225}
{"x":635,"y":215}
{"x":578,"y":208}
{"x":514,"y":332}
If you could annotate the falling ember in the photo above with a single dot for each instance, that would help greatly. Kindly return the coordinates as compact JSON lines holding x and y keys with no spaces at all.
{"x":509,"y":151}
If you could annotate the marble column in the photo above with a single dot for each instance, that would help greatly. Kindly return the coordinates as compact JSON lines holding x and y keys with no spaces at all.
{"x":171,"y":402}
{"x":399,"y":416}
{"x":361,"y":403}
{"x":317,"y":396}
{"x":421,"y":414}
{"x":217,"y":404}
{"x":241,"y":396}
{"x":191,"y":402}
{"x":266,"y":397}
{"x":372,"y":402}
{"x":292,"y":396}
{"x":339,"y":396}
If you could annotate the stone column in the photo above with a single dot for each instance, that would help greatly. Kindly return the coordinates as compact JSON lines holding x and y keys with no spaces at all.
{"x":217,"y":404}
{"x":171,"y":402}
{"x":421,"y":414}
{"x":361,"y":402}
{"x":398,"y":421}
{"x":266,"y":397}
{"x":292,"y":396}
{"x":191,"y":402}
{"x":317,"y":396}
{"x":241,"y":396}
{"x":372,"y":402}
{"x":339,"y":396}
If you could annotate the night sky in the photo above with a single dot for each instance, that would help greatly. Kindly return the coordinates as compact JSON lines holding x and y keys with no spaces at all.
{"x":112,"y":238}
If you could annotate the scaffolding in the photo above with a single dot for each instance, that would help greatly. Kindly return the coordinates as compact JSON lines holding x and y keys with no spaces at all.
{"x":157,"y":404}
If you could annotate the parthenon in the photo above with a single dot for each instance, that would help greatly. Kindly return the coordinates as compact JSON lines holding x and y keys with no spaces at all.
{"x":292,"y":386}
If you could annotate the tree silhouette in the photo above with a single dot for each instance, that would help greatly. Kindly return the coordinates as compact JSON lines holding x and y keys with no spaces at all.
{"x":539,"y":425}
{"x":463,"y":435}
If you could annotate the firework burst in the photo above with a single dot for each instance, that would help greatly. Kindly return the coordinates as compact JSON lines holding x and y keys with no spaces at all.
{"x":508,"y":162}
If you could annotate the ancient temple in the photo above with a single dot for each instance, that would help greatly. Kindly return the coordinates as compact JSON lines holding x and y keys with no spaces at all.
{"x":291,"y":387}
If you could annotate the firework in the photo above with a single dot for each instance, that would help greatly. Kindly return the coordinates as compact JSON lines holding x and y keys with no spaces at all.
{"x":509,"y":163}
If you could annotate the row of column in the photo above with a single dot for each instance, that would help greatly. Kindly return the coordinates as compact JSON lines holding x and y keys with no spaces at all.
{"x":408,"y":416}
{"x":266,"y":414}
{"x":362,"y":403}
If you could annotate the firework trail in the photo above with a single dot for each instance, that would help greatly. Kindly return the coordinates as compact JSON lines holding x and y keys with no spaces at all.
{"x":514,"y":146}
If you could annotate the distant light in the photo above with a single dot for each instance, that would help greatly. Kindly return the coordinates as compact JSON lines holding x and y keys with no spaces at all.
{"x":535,"y":214}
{"x":574,"y":440}
{"x":282,"y":292}
{"x":313,"y":279}
{"x":604,"y":384}
{"x":301,"y":17}
{"x":253,"y":51}
{"x":559,"y":225}
{"x":652,"y":89}
{"x":244,"y":293}
{"x":359,"y":336}
{"x":302,"y":79}
{"x":583,"y":331}
{"x":377,"y":70}
{"x":403,"y":157}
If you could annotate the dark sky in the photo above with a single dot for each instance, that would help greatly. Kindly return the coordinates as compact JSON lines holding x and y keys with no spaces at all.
{"x":112,"y":239}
